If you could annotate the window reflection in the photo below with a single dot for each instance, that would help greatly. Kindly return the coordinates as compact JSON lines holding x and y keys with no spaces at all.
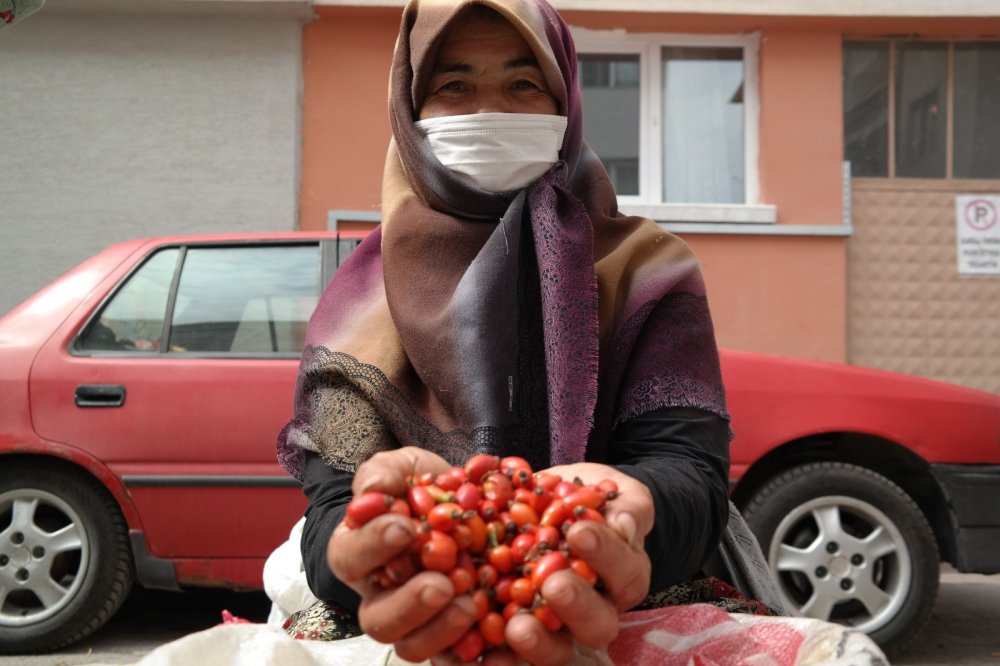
{"x":610,"y":85}
{"x":133,"y":319}
{"x":977,"y":110}
{"x":703,"y":125}
{"x":921,"y":108}
{"x":245,"y":300}
{"x":938,"y":87}
{"x":233,"y":300}
{"x":866,"y":108}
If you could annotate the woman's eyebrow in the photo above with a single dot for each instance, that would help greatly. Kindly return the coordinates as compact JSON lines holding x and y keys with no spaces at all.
{"x":453,"y":68}
{"x":465,"y":68}
{"x":523,"y":61}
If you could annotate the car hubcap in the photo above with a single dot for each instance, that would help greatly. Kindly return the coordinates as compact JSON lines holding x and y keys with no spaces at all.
{"x":842,"y":560}
{"x":43,"y":555}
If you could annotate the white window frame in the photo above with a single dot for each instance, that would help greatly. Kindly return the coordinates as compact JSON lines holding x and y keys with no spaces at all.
{"x":648,"y":46}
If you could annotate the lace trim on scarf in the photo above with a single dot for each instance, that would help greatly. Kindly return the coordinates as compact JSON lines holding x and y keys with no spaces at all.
{"x":668,"y":355}
{"x":353,"y":412}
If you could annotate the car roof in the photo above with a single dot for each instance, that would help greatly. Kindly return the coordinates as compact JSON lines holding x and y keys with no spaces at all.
{"x":246,"y":236}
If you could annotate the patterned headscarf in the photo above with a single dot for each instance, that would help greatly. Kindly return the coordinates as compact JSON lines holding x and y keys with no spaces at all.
{"x":524,"y":324}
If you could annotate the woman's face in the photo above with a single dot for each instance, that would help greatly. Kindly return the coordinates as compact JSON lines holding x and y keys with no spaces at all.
{"x":484,"y":66}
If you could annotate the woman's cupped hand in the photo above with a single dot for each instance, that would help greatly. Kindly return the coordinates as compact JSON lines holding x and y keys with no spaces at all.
{"x":423,"y":617}
{"x":615,"y":551}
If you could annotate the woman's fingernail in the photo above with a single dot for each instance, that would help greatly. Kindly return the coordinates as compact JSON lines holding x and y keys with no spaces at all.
{"x":370,"y":483}
{"x":625,"y":524}
{"x":434,"y":596}
{"x":559,"y":590}
{"x":585,"y":540}
{"x":396,"y":535}
{"x":525,"y":638}
{"x":467,"y":605}
{"x":463,"y":609}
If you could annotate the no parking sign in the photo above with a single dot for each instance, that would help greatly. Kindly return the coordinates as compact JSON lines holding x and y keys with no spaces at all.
{"x":977,"y":222}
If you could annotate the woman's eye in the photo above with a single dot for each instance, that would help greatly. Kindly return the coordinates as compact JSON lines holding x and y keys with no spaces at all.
{"x":524,"y":84}
{"x":453,"y":86}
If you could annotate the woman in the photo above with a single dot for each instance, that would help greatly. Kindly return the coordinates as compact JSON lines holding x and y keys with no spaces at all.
{"x":505,"y":306}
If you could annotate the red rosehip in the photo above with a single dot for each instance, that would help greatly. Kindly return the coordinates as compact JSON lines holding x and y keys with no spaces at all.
{"x":547,"y":617}
{"x":444,"y":516}
{"x":440,"y":553}
{"x":478,"y":465}
{"x":366,"y":506}
{"x":469,"y":646}
{"x":497,"y":487}
{"x":492,"y":628}
{"x":523,"y":514}
{"x":501,"y":557}
{"x":587,"y":497}
{"x":547,"y":565}
{"x":468,"y":496}
{"x":461,"y":579}
{"x":501,"y":591}
{"x":514,"y":463}
{"x":522,"y":545}
{"x":420,"y":499}
{"x":522,"y":592}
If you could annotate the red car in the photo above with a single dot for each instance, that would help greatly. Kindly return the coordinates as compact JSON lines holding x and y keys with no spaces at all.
{"x":140,"y":396}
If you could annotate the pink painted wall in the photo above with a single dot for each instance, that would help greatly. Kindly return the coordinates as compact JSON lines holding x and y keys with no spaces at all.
{"x":777,"y":294}
{"x":801,"y":132}
{"x":345,"y":124}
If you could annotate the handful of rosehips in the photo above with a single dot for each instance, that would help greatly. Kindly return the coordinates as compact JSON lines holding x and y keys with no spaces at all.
{"x":495,"y":528}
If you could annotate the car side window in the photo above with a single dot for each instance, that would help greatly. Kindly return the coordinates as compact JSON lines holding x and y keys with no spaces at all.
{"x":245,"y":300}
{"x":133,"y":318}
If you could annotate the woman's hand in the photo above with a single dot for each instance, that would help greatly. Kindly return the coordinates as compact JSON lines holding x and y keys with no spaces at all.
{"x":422,"y":617}
{"x":616,"y":553}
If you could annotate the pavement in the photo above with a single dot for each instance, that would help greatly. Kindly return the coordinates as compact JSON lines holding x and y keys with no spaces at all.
{"x":965,"y":626}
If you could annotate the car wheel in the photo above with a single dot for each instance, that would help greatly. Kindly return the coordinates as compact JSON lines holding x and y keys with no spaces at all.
{"x":65,"y":564}
{"x":848,"y":545}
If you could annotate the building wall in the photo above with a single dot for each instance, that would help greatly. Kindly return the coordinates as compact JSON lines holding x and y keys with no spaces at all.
{"x":121,"y":125}
{"x":230,"y":116}
{"x":910,"y":311}
{"x":771,"y":293}
{"x":778,"y":295}
{"x":801,"y":137}
{"x":345,"y":118}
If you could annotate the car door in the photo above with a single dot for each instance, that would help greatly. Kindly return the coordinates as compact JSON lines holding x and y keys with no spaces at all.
{"x":181,"y":382}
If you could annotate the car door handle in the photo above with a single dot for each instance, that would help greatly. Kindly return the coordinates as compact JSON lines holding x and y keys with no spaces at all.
{"x":100,"y":395}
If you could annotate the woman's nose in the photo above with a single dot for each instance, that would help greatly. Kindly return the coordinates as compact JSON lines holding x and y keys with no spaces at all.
{"x":493,"y":101}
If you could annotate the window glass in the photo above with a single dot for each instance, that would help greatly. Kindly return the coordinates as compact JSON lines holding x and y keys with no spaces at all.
{"x":133,"y":318}
{"x":866,"y":107}
{"x":977,"y":110}
{"x":252,"y":300}
{"x":921,"y":97}
{"x":703,"y":132}
{"x":610,"y":84}
{"x":624,"y":174}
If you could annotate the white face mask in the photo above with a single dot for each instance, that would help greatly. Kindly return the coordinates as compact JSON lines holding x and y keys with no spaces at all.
{"x":499,"y":152}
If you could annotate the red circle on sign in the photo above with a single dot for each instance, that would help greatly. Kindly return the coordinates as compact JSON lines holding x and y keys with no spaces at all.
{"x":980,"y":214}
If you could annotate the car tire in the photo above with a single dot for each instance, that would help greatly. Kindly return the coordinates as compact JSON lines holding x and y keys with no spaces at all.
{"x":848,"y":545}
{"x":65,"y":564}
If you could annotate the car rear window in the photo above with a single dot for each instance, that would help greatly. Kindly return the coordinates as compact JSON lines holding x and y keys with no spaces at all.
{"x":133,"y":319}
{"x":242,"y":300}
{"x":245,"y":300}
